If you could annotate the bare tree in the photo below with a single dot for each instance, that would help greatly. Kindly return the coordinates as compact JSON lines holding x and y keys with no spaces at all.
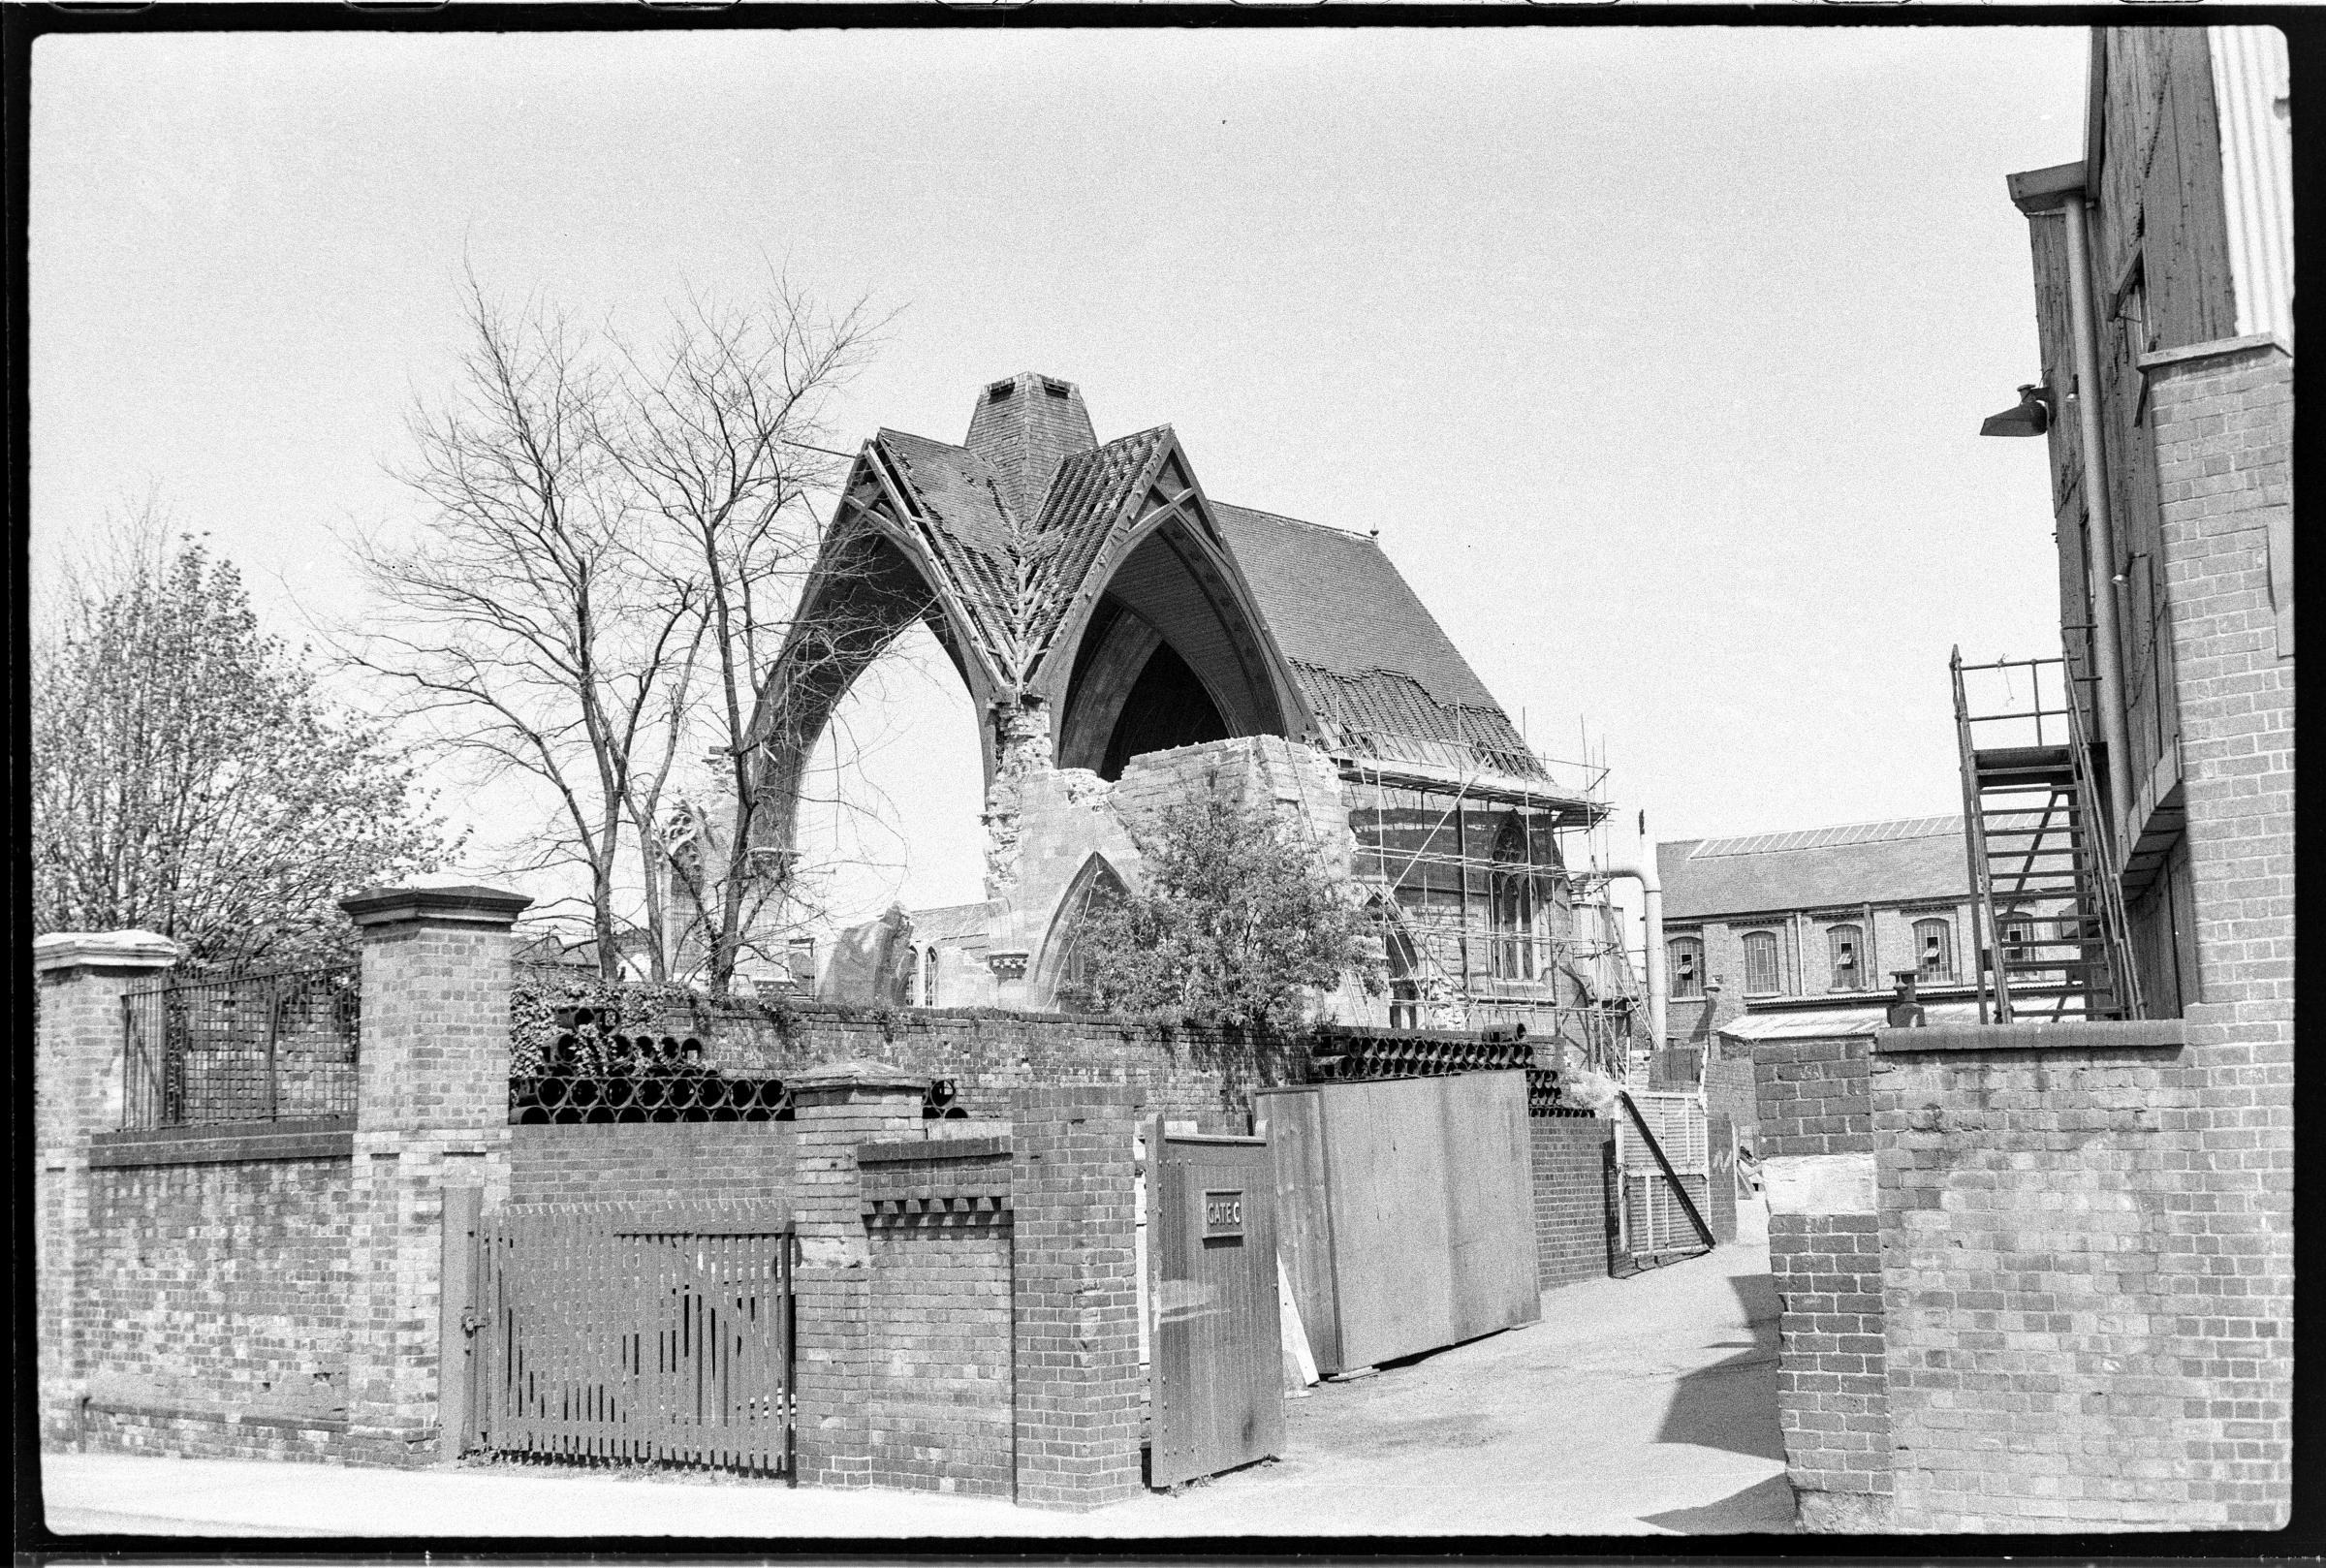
{"x":718,"y":429}
{"x":617,"y":538}
{"x":517,"y":623}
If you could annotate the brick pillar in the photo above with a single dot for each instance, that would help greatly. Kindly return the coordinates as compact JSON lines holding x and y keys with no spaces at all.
{"x":836,"y":1106}
{"x":76,"y":1090}
{"x":431,"y":1113}
{"x":2222,"y":417}
{"x":1074,"y":1296}
{"x":1824,"y":1258}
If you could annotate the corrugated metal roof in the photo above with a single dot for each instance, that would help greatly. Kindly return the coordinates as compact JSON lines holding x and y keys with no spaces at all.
{"x":1836,"y":1022}
{"x":1856,"y":833}
{"x":1922,"y":858}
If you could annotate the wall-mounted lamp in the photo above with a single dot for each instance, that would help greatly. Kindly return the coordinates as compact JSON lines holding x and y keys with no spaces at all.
{"x":2032,"y":414}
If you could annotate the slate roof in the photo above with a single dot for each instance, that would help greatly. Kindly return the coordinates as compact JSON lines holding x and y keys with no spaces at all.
{"x":1919,"y":858}
{"x":1373,"y":663}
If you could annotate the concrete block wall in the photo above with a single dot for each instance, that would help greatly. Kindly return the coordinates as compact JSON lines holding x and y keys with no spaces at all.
{"x":1573,"y":1221}
{"x":1816,"y":1149}
{"x":941,"y":1402}
{"x":2038,"y":1376}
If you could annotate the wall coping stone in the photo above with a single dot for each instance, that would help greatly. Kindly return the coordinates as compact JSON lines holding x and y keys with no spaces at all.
{"x":103,"y":950}
{"x":857,"y":1074}
{"x":322,"y":1139}
{"x":2213,"y":349}
{"x":448,"y":906}
{"x":2100,"y":1034}
{"x":890,"y":1152}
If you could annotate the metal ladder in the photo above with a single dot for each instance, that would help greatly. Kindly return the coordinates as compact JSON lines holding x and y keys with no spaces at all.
{"x":2052,"y":939}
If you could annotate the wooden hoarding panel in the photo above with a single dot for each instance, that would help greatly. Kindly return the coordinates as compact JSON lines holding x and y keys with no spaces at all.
{"x":1217,"y":1344}
{"x":1490,"y":1203}
{"x":1303,"y":1221}
{"x":1386,"y":1158}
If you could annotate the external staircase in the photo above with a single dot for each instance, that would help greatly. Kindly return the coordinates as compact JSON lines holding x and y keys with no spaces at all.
{"x":2050,"y":942}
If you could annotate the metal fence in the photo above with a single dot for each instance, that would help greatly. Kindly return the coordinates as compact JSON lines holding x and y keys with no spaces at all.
{"x":279,"y":1047}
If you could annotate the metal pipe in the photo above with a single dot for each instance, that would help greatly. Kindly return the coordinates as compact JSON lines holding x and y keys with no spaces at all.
{"x":1651,"y":907}
{"x":2104,"y":579}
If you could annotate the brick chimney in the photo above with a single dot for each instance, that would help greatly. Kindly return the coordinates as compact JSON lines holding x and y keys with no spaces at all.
{"x":1025,"y":427}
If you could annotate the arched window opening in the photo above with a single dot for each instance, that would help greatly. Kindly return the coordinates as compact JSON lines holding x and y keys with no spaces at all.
{"x":1935,"y":949}
{"x":929,"y":977}
{"x":1687,"y":955}
{"x":1761,"y":977}
{"x":1844,"y":944}
{"x":1168,"y":707}
{"x":1066,"y":959}
{"x":1511,"y":908}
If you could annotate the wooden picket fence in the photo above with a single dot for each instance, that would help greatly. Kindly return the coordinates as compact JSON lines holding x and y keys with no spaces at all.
{"x":613,"y":1333}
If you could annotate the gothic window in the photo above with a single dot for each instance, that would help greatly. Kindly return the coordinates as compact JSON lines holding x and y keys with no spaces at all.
{"x":1845,"y":945}
{"x":929,"y":977}
{"x":1687,"y":953}
{"x":1760,"y":965}
{"x":1510,"y":907}
{"x":1935,"y":949}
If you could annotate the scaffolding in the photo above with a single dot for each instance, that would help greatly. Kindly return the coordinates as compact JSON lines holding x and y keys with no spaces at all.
{"x":1480,"y":936}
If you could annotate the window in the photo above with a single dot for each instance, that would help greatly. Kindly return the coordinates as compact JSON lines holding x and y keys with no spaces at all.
{"x":1688,"y":966}
{"x":1510,"y":907}
{"x":1760,"y":965}
{"x":1844,"y":943}
{"x":929,"y":977}
{"x":1935,"y":949}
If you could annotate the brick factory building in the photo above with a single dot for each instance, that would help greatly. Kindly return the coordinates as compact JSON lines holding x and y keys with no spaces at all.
{"x":2037,"y":1269}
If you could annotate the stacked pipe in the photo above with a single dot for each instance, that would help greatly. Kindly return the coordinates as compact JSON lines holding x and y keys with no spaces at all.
{"x":937,"y":1102}
{"x":591,"y":1076}
{"x":1345,"y":1056}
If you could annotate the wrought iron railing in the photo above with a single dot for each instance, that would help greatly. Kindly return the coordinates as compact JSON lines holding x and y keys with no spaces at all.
{"x":274,"y":1046}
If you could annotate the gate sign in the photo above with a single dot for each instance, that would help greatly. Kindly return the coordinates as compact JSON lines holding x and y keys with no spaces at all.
{"x":1223,"y":1212}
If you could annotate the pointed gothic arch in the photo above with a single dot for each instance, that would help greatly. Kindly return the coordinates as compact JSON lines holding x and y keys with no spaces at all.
{"x":1057,"y":977}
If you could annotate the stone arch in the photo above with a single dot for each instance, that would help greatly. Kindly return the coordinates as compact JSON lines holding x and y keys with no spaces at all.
{"x":1170,"y":650}
{"x":870,"y":584}
{"x":1055,"y":965}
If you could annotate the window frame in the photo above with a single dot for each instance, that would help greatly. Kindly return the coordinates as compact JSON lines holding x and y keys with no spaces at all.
{"x":1835,"y":942}
{"x":1674,"y":969}
{"x":1944,"y":927}
{"x":1777,"y":965}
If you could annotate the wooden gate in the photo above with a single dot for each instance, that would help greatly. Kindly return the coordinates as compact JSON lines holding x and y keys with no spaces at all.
{"x":650,"y":1333}
{"x":1215,"y":1337}
{"x":1652,"y":1217}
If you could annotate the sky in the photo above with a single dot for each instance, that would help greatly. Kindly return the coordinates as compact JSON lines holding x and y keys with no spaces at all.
{"x":1658,"y":356}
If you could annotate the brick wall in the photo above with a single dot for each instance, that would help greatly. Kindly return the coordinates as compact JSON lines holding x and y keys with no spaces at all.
{"x":2038,"y":1379}
{"x":1729,"y":1087}
{"x":1571,"y":1215}
{"x":2222,"y":422}
{"x":1075,"y":1296}
{"x":212,"y":1305}
{"x":938,"y":1342}
{"x":1189,"y":1072}
{"x":653,"y":1162}
{"x":1815,"y":1141}
{"x":1830,"y":1384}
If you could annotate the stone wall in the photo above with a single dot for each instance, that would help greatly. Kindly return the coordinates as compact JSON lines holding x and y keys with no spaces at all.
{"x":1573,"y":1221}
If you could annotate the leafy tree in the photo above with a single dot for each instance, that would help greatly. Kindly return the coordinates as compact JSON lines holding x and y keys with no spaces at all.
{"x":188,"y":778}
{"x":1237,"y":918}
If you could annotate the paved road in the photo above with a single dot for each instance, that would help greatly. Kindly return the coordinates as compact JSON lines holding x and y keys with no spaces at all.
{"x":1643,"y":1405}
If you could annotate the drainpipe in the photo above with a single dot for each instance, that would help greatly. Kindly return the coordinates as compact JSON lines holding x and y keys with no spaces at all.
{"x":1652,"y":901}
{"x":2105,"y":581}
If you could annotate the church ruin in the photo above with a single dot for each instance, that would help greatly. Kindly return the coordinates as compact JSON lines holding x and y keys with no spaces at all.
{"x":1127,"y":638}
